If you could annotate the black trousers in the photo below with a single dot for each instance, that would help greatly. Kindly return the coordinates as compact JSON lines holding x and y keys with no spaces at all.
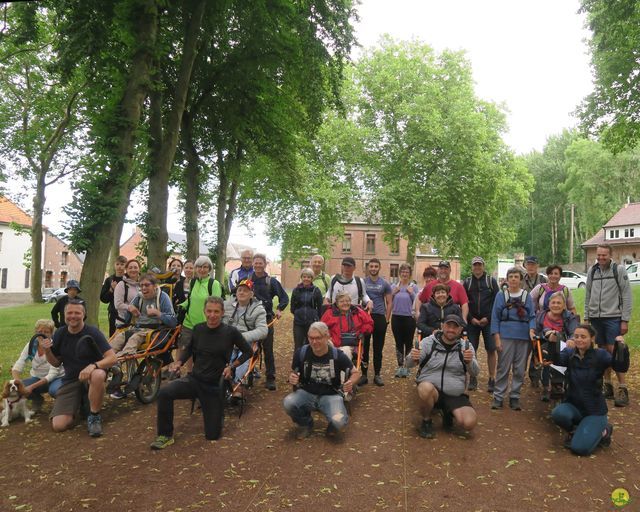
{"x":379,"y":332}
{"x":112,"y":322}
{"x":403,"y":328}
{"x":188,"y":388}
{"x":300,"y":335}
{"x":269,"y":360}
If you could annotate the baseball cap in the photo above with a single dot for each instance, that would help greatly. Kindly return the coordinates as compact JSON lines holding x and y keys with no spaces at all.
{"x":531,"y":259}
{"x":246,"y":282}
{"x":477,"y":259}
{"x":349,"y":261}
{"x":444,"y":263}
{"x":455,"y":319}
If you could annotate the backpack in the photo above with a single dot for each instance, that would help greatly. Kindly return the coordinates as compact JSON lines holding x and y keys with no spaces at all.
{"x":305,"y":357}
{"x":517,"y":302}
{"x":548,"y":292}
{"x":209,"y":290}
{"x":614,"y":269}
{"x":488,"y":279}
{"x":459,"y":348}
{"x":358,"y":280}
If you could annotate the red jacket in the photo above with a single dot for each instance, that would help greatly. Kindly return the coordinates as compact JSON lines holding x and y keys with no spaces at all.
{"x":357,"y":320}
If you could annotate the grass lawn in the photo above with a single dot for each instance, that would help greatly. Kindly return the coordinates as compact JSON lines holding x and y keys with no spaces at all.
{"x":17,"y":326}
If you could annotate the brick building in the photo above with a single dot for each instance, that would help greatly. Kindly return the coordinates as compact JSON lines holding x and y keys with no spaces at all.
{"x":363,"y":241}
{"x":59,"y":263}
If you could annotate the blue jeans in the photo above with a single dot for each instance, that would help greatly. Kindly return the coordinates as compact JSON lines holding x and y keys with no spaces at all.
{"x":588,"y":429}
{"x":51,"y":388}
{"x":300,"y":404}
{"x":607,"y":329}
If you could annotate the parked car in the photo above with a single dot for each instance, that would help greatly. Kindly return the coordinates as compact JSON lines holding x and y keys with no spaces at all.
{"x":54,"y":296}
{"x":633,"y":271}
{"x":573,"y":279}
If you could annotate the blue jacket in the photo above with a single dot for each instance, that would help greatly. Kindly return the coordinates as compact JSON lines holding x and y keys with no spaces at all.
{"x":266,"y":293}
{"x":507,"y":321}
{"x":306,"y":304}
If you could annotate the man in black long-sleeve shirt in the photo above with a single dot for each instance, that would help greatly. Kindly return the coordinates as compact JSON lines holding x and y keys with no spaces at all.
{"x":211,"y":348}
{"x":106,"y":294}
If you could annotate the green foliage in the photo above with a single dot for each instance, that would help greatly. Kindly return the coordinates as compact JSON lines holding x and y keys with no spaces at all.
{"x":612,"y":109}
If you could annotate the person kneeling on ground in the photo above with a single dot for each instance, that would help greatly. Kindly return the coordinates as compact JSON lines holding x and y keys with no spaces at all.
{"x":318,"y":369}
{"x":443,"y":363}
{"x":87,"y":356}
{"x":583,"y":414}
{"x":211,"y":346}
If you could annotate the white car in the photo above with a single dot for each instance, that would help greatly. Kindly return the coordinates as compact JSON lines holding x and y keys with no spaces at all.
{"x":633,"y":271}
{"x":573,"y":279}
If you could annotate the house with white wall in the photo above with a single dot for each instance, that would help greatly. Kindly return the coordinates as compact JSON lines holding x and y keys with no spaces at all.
{"x":15,"y":243}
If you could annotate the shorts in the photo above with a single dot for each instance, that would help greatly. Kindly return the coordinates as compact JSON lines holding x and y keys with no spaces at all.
{"x":449,"y":403}
{"x":186,"y":335}
{"x":607,"y":329}
{"x":69,"y":399}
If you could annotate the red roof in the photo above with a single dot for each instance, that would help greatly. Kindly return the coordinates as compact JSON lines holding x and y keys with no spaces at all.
{"x":628,"y":215}
{"x":10,"y":212}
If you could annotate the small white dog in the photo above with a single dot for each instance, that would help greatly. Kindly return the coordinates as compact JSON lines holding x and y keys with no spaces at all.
{"x":14,"y":403}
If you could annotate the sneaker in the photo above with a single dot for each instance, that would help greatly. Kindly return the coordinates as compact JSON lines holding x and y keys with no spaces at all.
{"x":118,"y":394}
{"x":332,"y":431}
{"x":94,"y":425}
{"x":496,"y":404}
{"x":377,"y":380}
{"x":447,"y":421}
{"x":256,"y":374}
{"x":363,"y":380}
{"x":270,"y":384}
{"x":491,"y":385}
{"x":405,"y":372}
{"x":473,"y":383}
{"x":426,"y":430}
{"x":545,"y":396}
{"x":303,"y":431}
{"x":608,"y":390}
{"x":622,"y":400}
{"x":161,"y":442}
{"x":399,"y":371}
{"x":606,"y":437}
{"x":514,"y":403}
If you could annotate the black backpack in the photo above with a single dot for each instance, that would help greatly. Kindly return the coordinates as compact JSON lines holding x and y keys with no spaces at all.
{"x":459,"y":348}
{"x":305,"y":357}
{"x":358,"y":280}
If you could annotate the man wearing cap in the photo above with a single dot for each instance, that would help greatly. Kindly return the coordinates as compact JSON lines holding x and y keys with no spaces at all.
{"x":320,"y":278}
{"x":351,"y":284}
{"x":443,"y":362}
{"x":72,"y":292}
{"x":532,"y":278}
{"x":456,"y":290}
{"x":481,"y":291}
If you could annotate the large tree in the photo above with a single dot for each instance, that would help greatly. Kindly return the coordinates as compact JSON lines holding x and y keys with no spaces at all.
{"x":613,"y":109}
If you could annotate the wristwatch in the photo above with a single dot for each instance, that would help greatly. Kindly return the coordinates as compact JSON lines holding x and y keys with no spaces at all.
{"x":96,"y":365}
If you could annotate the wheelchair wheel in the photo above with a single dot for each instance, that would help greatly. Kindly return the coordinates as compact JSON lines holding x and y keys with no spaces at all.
{"x":149,"y":387}
{"x":225,"y":390}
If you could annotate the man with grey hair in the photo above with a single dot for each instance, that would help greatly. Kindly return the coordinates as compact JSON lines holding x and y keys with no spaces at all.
{"x":320,"y":278}
{"x":318,"y":370}
{"x":244,"y":271}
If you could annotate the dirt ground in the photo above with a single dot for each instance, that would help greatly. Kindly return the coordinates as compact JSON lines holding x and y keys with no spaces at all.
{"x":512,"y":460}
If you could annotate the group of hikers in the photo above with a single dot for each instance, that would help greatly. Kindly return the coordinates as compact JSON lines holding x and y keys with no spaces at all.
{"x":529,"y":319}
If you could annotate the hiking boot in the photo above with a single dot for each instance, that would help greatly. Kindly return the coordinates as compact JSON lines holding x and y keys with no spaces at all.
{"x":473,"y":383}
{"x":303,"y":431}
{"x":426,"y":430}
{"x":377,"y":380}
{"x":622,"y":400}
{"x":270,"y":384}
{"x":399,"y":371}
{"x":608,"y":390}
{"x":606,"y":436}
{"x":535,"y":376}
{"x":447,"y":421}
{"x":496,"y":404}
{"x":514,"y":403}
{"x":332,"y":431}
{"x":94,"y":425}
{"x":161,"y":442}
{"x":363,"y":380}
{"x":118,"y":395}
{"x":545,"y":396}
{"x":491,"y":385}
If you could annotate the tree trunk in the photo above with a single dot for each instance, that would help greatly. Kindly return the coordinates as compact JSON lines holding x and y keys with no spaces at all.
{"x":227,"y":196}
{"x":114,"y":252}
{"x":191,"y":188}
{"x":161,"y":165}
{"x":36,"y":237}
{"x":121,"y":142}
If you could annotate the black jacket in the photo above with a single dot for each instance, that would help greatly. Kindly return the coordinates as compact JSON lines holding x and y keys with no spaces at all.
{"x":306,"y":304}
{"x":432,"y":315}
{"x":481,"y":294}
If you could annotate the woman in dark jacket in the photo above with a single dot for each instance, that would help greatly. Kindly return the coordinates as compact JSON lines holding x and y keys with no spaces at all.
{"x":181,"y":288}
{"x":555,"y":324}
{"x":306,"y":306}
{"x":583,"y":414}
{"x":433,"y":313}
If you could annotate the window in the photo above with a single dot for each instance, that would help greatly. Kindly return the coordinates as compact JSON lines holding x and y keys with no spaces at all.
{"x":65,"y":258}
{"x":629,"y":232}
{"x":1,"y":240}
{"x":63,"y":279}
{"x":3,"y":282}
{"x":393,"y":271}
{"x":371,"y":244}
{"x":346,"y":243}
{"x":48,"y":279}
{"x":27,"y":275}
{"x":614,"y":233}
{"x":395,"y":245}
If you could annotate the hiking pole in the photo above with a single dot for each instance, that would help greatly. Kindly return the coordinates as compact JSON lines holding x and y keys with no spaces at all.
{"x":359,"y":357}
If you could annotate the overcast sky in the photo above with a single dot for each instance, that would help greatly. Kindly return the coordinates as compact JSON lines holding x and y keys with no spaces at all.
{"x":529,"y":56}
